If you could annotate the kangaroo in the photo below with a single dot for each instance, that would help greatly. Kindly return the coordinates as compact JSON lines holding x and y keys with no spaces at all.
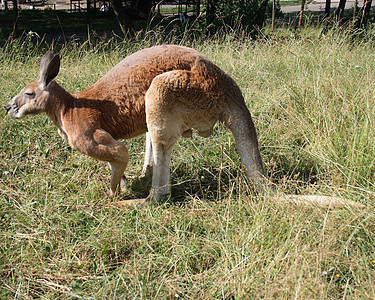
{"x":164,"y":91}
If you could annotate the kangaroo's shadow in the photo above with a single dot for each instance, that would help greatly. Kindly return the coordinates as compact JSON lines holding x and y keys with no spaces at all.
{"x":205,"y":183}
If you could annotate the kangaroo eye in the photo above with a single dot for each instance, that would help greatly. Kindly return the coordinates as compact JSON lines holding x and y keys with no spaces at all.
{"x":30,"y":94}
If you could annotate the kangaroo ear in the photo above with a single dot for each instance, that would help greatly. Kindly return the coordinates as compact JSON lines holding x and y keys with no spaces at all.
{"x":49,"y":68}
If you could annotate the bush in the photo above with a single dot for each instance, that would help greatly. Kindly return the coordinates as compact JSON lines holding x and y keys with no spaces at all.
{"x":249,"y":14}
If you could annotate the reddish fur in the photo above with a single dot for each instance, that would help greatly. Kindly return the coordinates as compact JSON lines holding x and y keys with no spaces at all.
{"x":121,"y":111}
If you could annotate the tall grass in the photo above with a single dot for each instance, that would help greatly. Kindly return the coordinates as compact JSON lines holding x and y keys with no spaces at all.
{"x":313,"y":105}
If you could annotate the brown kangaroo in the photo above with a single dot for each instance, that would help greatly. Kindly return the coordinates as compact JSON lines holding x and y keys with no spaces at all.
{"x":165,"y":91}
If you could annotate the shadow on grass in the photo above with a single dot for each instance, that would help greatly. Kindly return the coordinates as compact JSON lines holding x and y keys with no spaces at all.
{"x":208,"y":184}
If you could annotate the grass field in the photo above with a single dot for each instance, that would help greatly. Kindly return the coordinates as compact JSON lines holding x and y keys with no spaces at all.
{"x":313,"y":104}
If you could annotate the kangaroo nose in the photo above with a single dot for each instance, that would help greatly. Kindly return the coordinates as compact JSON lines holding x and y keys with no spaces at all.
{"x":8,"y":107}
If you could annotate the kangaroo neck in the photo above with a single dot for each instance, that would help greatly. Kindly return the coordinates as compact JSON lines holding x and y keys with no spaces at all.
{"x":59,"y":104}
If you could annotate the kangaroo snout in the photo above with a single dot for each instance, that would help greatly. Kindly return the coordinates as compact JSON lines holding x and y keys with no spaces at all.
{"x":12,"y":108}
{"x":7,"y":108}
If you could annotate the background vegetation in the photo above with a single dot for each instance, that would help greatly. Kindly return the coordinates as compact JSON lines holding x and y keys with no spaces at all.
{"x":312,"y":99}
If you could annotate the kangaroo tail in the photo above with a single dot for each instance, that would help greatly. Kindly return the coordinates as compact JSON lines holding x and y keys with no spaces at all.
{"x":318,"y":200}
{"x":238,"y":119}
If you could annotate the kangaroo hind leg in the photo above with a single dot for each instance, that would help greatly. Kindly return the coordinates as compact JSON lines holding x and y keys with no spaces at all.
{"x":164,"y":128}
{"x":162,"y":144}
{"x":176,"y":102}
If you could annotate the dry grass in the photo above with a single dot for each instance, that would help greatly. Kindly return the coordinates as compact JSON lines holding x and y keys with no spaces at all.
{"x":313,"y":105}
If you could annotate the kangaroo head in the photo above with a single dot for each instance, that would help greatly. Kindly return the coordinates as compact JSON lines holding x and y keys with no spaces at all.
{"x":34,"y":97}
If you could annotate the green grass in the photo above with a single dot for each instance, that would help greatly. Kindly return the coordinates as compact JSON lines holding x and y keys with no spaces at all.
{"x":293,"y":2}
{"x":285,"y":3}
{"x":313,"y":105}
{"x":176,"y":10}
